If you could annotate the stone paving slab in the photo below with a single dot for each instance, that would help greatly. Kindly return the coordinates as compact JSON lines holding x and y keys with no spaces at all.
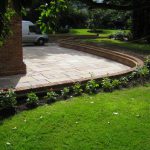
{"x":52,"y":64}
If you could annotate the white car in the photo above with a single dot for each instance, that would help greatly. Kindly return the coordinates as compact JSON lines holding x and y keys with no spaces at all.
{"x":32,"y":34}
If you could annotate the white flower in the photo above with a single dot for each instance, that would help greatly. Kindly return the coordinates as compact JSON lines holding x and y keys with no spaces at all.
{"x":41,"y":117}
{"x":7,"y":143}
{"x":14,"y":128}
{"x":92,"y":102}
{"x":115,"y":113}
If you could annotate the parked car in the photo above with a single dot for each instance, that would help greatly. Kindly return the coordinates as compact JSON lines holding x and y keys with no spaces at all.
{"x":32,"y":34}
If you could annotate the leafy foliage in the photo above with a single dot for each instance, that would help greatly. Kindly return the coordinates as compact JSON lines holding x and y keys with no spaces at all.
{"x":91,"y":86}
{"x":116,"y":83}
{"x":147,"y":62}
{"x":7,"y":99}
{"x":77,"y":89}
{"x":124,"y":81}
{"x":65,"y":92}
{"x":51,"y":96}
{"x":50,"y":13}
{"x":6,"y":20}
{"x":32,"y":99}
{"x":100,"y":18}
{"x":143,"y":72}
{"x":107,"y":85}
{"x":121,"y":35}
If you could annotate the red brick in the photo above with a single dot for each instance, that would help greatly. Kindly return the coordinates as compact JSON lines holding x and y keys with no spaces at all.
{"x":11,"y":53}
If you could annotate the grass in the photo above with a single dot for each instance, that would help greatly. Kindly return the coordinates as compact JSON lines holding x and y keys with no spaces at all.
{"x":80,"y":32}
{"x":105,"y":33}
{"x":136,"y":47}
{"x":106,"y":121}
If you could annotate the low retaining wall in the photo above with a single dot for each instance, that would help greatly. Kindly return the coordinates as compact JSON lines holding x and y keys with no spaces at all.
{"x":57,"y":37}
{"x":125,"y":59}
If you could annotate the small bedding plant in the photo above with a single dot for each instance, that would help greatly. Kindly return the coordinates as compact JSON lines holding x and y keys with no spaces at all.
{"x":7,"y":102}
{"x":65,"y":92}
{"x":32,"y":100}
{"x":116,"y":84}
{"x":124,"y":82}
{"x":91,"y":87}
{"x":147,"y":62}
{"x":107,"y":85}
{"x":8,"y":97}
{"x":77,"y":89}
{"x":51,"y":97}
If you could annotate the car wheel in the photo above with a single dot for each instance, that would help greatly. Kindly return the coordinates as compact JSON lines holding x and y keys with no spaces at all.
{"x":41,"y":42}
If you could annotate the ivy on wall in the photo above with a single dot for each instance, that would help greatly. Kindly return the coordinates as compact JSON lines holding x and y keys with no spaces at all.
{"x":6,"y":20}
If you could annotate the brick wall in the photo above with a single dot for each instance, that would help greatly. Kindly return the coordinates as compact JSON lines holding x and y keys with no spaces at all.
{"x":11,"y":53}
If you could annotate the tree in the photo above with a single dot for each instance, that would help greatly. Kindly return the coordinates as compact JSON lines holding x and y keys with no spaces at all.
{"x":50,"y":13}
{"x":141,"y":14}
{"x":7,"y":8}
{"x":3,"y":5}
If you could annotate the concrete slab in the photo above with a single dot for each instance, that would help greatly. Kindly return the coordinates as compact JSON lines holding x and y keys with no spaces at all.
{"x":53,"y":64}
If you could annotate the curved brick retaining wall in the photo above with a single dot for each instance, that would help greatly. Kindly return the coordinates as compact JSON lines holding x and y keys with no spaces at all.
{"x":58,"y":37}
{"x":125,"y":59}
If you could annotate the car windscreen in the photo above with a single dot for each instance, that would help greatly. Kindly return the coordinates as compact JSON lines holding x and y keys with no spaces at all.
{"x":34,"y":29}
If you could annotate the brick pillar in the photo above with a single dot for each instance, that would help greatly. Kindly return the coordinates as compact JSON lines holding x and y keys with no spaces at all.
{"x":11,"y":53}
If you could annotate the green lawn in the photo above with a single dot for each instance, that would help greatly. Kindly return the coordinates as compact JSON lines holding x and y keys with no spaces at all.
{"x":104,"y":32}
{"x":80,"y":32}
{"x":106,"y":121}
{"x":136,"y":47}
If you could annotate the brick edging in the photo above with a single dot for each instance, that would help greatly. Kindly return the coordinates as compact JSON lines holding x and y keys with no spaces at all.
{"x":125,"y":59}
{"x":128,"y":60}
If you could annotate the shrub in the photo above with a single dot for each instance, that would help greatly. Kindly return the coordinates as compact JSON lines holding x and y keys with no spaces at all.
{"x":121,"y":35}
{"x":32,"y":100}
{"x":91,"y":86}
{"x":107,"y":85}
{"x":147,"y":62}
{"x":116,"y":83}
{"x":7,"y":99}
{"x":7,"y":102}
{"x":133,"y":75}
{"x":143,"y":72}
{"x":51,"y":97}
{"x":65,"y":92}
{"x":63,"y":30}
{"x":124,"y":81}
{"x":77,"y":89}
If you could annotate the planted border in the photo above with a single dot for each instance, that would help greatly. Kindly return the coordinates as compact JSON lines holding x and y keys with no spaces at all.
{"x":9,"y":104}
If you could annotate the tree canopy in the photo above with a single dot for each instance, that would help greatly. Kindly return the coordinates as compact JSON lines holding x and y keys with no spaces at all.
{"x":140,"y":9}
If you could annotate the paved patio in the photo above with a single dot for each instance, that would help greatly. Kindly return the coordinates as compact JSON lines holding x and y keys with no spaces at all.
{"x":52,"y":64}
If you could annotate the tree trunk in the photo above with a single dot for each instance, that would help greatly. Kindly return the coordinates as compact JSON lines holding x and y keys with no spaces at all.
{"x":3,"y":6}
{"x":141,"y":20}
